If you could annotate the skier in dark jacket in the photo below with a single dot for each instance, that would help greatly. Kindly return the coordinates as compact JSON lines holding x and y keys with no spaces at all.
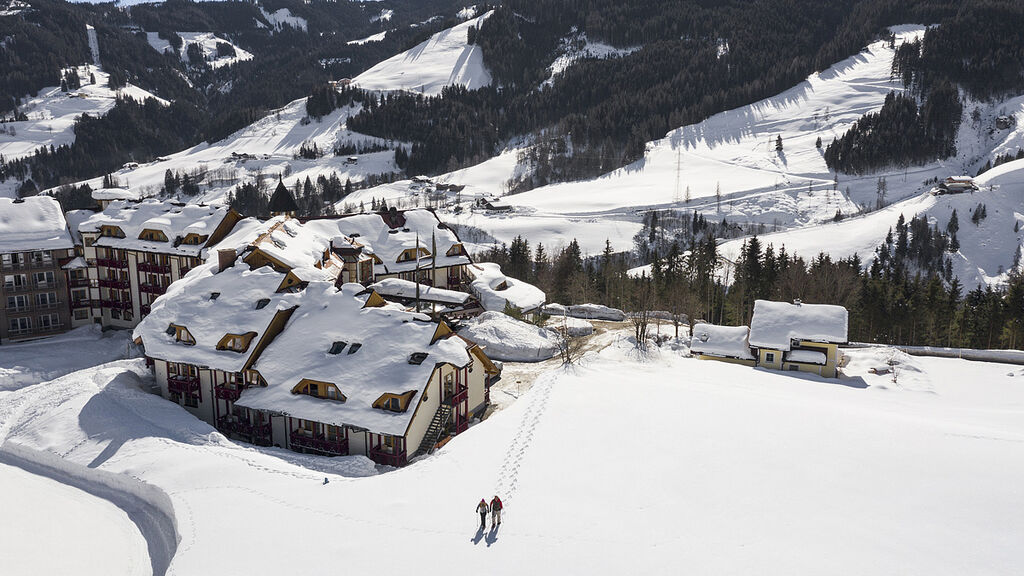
{"x":482,"y":509}
{"x":495,"y":512}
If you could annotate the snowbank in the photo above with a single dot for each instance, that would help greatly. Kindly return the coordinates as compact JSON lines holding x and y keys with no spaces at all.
{"x":494,"y":289}
{"x":589,"y":311}
{"x":574,"y":327}
{"x":26,"y":363}
{"x":505,"y":338}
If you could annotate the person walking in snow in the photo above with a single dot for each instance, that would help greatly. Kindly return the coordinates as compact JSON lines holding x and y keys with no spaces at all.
{"x":495,"y":512}
{"x":482,"y":509}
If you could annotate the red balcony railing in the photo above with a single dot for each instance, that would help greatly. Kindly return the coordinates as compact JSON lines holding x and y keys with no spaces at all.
{"x":111,"y":263}
{"x":380,"y":455}
{"x":81,"y":303}
{"x":226,"y":393}
{"x":338,"y":447}
{"x":152,"y":288}
{"x":116,"y":304}
{"x":144,"y":309}
{"x":79,"y":282}
{"x":257,"y":433}
{"x":182,"y":384}
{"x":154,"y":268}
{"x":112,"y":283}
{"x":458,"y":397}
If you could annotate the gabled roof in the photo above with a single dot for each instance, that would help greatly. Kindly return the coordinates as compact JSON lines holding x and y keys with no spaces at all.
{"x":412,"y":229}
{"x":388,"y":338}
{"x":776,"y":324}
{"x":34,"y":223}
{"x":281,"y":201}
{"x":188,"y":303}
{"x":176,"y":221}
{"x":406,"y":289}
{"x":723,"y":341}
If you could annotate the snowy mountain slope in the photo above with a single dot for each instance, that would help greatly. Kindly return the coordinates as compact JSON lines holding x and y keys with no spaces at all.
{"x":744,"y":471}
{"x":579,"y":47}
{"x":986,"y":250}
{"x":207,"y":43}
{"x":269,"y":146}
{"x":52,"y":113}
{"x":445,"y":59}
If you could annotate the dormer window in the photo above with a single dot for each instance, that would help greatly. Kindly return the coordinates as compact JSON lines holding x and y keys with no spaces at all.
{"x":262,"y":303}
{"x":214,"y":295}
{"x":354,"y":347}
{"x":417,"y":358}
{"x":152,"y":235}
{"x":236,"y":342}
{"x":394,"y":402}
{"x":337,"y":347}
{"x":111,"y":232}
{"x":456,"y":250}
{"x":317,"y":389}
{"x":181,"y":334}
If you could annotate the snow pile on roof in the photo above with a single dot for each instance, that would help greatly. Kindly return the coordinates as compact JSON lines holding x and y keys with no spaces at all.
{"x":176,"y":221}
{"x":445,"y":59}
{"x":776,"y":324}
{"x":191,"y":304}
{"x":116,"y":194}
{"x":805,"y":357}
{"x":505,"y":338}
{"x":588,"y":311}
{"x":374,"y":346}
{"x":495,"y":289}
{"x":723,"y":341}
{"x":35,"y":223}
{"x":388,"y":242}
{"x":573,"y":327}
{"x":397,"y":288}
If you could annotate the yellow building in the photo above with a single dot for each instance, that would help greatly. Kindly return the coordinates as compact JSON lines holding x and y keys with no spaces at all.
{"x":799,"y":337}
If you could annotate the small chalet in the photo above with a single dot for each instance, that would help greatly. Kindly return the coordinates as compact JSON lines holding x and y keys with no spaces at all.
{"x":956,"y":185}
{"x":799,"y":337}
{"x":724,"y":343}
{"x":495,"y":204}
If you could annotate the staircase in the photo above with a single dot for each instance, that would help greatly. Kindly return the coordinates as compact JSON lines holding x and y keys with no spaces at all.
{"x":434,"y":431}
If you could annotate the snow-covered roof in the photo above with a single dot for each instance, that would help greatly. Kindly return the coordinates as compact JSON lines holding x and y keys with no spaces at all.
{"x":300,"y":248}
{"x":805,"y":356}
{"x":388,"y":236}
{"x":116,"y":194}
{"x":776,"y":324}
{"x":34,"y":223}
{"x":398,"y":288}
{"x":495,"y":289}
{"x":176,"y":221}
{"x":189,"y":303}
{"x":76,"y":263}
{"x":388,"y":337}
{"x":724,"y":341}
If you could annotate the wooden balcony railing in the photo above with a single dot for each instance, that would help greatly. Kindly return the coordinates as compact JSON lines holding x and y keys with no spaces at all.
{"x":259,"y":434}
{"x":225,"y":392}
{"x":152,"y":288}
{"x":112,"y":283}
{"x":111,"y":263}
{"x":338,"y":447}
{"x":381,"y":455}
{"x":154,"y":268}
{"x":182,"y":384}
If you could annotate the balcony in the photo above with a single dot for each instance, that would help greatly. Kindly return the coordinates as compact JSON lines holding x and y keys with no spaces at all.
{"x":81,"y":303}
{"x":182,"y":384}
{"x":144,"y":309}
{"x":152,"y":288}
{"x":48,"y":305}
{"x":259,"y":434}
{"x":116,"y":304}
{"x":225,"y":392}
{"x":154,"y":268}
{"x":111,"y":263}
{"x":79,"y":283}
{"x":116,"y":284}
{"x":382,"y":455}
{"x":458,"y":397}
{"x":25,"y":287}
{"x":318,"y":443}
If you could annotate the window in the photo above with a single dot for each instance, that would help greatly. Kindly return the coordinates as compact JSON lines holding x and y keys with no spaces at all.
{"x":417,"y":358}
{"x":15,"y":281}
{"x":49,"y":321}
{"x":41,"y":258}
{"x":769,"y":357}
{"x":81,"y":314}
{"x":191,"y":401}
{"x":236,"y":342}
{"x":394,"y":402}
{"x":262,"y":303}
{"x":19,"y":302}
{"x":793,"y":368}
{"x":19,"y":325}
{"x":181,"y":334}
{"x":214,"y":295}
{"x":46,"y":299}
{"x":354,"y":347}
{"x":318,"y":389}
{"x":337,"y":347}
{"x":44,"y":279}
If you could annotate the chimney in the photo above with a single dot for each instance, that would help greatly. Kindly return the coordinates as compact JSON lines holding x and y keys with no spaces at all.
{"x":225,"y":259}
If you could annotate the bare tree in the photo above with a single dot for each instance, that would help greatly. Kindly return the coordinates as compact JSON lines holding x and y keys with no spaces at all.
{"x":643,"y":302}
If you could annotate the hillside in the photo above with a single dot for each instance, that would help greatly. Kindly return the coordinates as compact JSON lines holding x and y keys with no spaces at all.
{"x":747,"y":464}
{"x":446,"y":59}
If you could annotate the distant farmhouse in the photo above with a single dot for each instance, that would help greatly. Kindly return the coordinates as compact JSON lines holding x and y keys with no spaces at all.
{"x":955,"y":185}
{"x":782,"y":336}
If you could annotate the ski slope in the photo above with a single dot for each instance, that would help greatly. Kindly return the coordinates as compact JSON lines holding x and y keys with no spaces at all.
{"x":743,"y":471}
{"x":269,"y":146}
{"x":445,"y":59}
{"x":52,"y":113}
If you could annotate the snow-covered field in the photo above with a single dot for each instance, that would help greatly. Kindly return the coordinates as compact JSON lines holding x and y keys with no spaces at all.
{"x":650,"y":464}
{"x":445,"y":59}
{"x":26,"y":363}
{"x":52,"y":113}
